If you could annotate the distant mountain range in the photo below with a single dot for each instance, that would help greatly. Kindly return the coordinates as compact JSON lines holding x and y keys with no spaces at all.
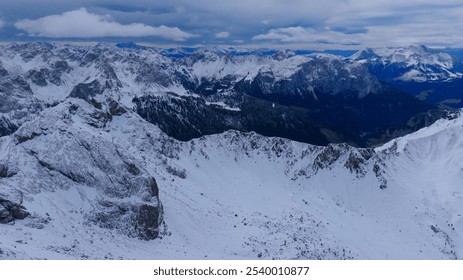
{"x":275,"y":93}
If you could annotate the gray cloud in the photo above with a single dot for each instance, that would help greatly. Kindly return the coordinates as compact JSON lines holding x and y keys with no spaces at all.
{"x":82,"y":24}
{"x":375,"y":24}
{"x":269,"y":23}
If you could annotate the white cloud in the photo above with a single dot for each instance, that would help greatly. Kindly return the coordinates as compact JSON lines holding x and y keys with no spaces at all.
{"x":82,"y":24}
{"x":298,"y":34}
{"x":222,"y":35}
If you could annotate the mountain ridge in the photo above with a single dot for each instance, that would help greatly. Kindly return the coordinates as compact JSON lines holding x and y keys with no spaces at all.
{"x":226,"y":183}
{"x":38,"y":75}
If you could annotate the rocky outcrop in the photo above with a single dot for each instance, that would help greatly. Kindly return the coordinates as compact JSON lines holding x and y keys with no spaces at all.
{"x":357,"y":159}
{"x":329,"y":156}
{"x":132,"y":219}
{"x":66,"y":148}
{"x":312,"y":77}
{"x":6,"y":126}
{"x":86,"y":91}
{"x":6,"y":172}
{"x":45,"y":76}
{"x":10,"y":211}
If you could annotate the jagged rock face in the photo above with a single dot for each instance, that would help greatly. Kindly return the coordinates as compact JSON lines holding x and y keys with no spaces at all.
{"x":11,"y":200}
{"x":92,"y":92}
{"x":417,"y":63}
{"x":6,"y":127}
{"x":115,"y":109}
{"x":65,"y":149}
{"x":329,"y":155}
{"x":86,"y":91}
{"x":357,"y":159}
{"x":42,"y":77}
{"x":359,"y":162}
{"x":134,"y":220}
{"x":323,"y":75}
{"x":6,"y":172}
{"x":17,"y":101}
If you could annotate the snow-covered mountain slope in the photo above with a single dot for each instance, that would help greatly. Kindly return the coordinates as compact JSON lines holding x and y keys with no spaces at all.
{"x":434,"y":76}
{"x":51,"y":71}
{"x":412,"y":63}
{"x":87,"y":169}
{"x":69,"y":174}
{"x":84,"y":175}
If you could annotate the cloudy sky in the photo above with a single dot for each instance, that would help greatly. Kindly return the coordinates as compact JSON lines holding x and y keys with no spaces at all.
{"x":297,"y":24}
